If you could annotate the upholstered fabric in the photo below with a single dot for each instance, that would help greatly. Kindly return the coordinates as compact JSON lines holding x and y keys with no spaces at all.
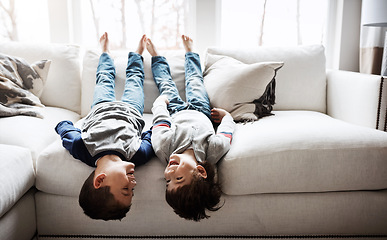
{"x":303,"y":151}
{"x":357,"y":98}
{"x":63,"y":86}
{"x":233,"y":86}
{"x":300,"y":83}
{"x":20,"y":221}
{"x":175,"y":60}
{"x":17,"y":175}
{"x":301,"y":214}
{"x":34,"y":133}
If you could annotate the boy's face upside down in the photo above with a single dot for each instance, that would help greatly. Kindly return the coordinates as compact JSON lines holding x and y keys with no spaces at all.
{"x":181,"y":169}
{"x":120,"y":178}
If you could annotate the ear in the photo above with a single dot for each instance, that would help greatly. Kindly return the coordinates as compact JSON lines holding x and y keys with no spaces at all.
{"x":201,"y":171}
{"x":98,"y":180}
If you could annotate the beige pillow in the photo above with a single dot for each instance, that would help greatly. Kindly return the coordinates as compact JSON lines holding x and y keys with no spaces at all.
{"x":247,"y":91}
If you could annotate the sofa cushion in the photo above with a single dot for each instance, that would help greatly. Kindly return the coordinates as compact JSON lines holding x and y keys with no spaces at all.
{"x":301,"y":82}
{"x":90,"y":63}
{"x":34,"y":133}
{"x":20,"y":221}
{"x":17,"y":175}
{"x":303,"y":151}
{"x":63,"y":86}
{"x":247,"y":91}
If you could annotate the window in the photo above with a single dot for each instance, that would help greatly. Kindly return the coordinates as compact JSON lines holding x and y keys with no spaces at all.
{"x":273,"y":22}
{"x":243,"y":23}
{"x":24,"y":20}
{"x":83,"y":22}
{"x":163,"y":21}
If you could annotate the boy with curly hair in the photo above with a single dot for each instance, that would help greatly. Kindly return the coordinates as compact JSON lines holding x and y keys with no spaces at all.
{"x":184,"y":137}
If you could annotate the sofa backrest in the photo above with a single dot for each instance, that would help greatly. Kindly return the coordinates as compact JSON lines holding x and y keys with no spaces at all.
{"x":300,"y":83}
{"x":175,"y":59}
{"x":63,"y":85}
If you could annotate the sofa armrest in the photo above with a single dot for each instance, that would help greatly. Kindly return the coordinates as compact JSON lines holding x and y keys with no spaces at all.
{"x":357,"y":98}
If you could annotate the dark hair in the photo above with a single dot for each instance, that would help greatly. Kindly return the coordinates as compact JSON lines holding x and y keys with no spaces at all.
{"x":100,"y":203}
{"x":190,"y":201}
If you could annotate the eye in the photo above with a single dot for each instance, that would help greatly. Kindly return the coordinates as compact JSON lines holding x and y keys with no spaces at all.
{"x":125,"y":191}
{"x":179,"y":178}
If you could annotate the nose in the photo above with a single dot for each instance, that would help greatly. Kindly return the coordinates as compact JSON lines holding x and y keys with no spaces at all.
{"x":168,"y":171}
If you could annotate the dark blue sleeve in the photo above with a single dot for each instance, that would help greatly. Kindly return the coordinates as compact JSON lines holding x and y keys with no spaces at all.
{"x":72,"y":141}
{"x":145,"y":152}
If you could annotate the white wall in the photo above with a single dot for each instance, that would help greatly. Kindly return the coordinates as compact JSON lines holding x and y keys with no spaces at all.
{"x":343,"y":39}
{"x":207,"y":23}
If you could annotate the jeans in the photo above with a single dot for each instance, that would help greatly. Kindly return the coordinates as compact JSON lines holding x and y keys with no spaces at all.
{"x":134,"y":83}
{"x":196,"y":94}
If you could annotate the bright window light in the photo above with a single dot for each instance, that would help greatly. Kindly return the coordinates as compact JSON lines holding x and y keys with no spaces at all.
{"x":273,"y":22}
{"x":24,"y":20}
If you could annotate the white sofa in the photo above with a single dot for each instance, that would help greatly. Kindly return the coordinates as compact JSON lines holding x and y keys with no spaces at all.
{"x":317,"y":168}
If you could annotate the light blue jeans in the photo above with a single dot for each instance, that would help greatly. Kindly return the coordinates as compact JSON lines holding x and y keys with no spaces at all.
{"x":134,"y":83}
{"x":196,"y":94}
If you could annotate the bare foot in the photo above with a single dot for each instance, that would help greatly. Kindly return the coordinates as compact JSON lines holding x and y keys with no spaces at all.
{"x":151,"y":48}
{"x":104,"y":42}
{"x":141,"y":45}
{"x":187,"y":42}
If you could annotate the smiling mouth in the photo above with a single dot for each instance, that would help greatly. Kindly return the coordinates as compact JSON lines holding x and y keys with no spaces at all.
{"x":173,"y":162}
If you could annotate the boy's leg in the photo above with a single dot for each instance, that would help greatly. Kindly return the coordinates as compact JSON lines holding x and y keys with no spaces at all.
{"x":163,"y":79}
{"x":196,"y":93}
{"x":104,"y":88}
{"x":134,"y":83}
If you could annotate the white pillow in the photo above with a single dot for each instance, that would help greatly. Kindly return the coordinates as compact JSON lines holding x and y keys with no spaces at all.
{"x":237,"y":87}
{"x":63,"y":86}
{"x":301,"y":82}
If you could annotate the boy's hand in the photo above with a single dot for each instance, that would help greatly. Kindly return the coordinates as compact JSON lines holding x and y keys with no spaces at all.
{"x":217,"y":114}
{"x":162,"y":98}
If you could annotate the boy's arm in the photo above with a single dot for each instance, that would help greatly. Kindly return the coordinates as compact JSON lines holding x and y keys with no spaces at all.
{"x":162,"y":133}
{"x":220,"y":143}
{"x":72,"y":141}
{"x":145,"y":152}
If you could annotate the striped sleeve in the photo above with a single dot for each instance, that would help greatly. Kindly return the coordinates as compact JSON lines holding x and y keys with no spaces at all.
{"x":226,"y":134}
{"x":162,"y":123}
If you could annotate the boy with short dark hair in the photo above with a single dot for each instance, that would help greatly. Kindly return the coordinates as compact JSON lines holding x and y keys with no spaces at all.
{"x":111,"y":138}
{"x":184,"y":137}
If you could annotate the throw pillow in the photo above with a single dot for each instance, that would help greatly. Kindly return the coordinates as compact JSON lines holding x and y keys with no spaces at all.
{"x":21,"y":84}
{"x":247,"y":91}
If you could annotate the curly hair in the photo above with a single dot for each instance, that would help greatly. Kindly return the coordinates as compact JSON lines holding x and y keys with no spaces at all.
{"x":100,"y":203}
{"x":191,"y":201}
